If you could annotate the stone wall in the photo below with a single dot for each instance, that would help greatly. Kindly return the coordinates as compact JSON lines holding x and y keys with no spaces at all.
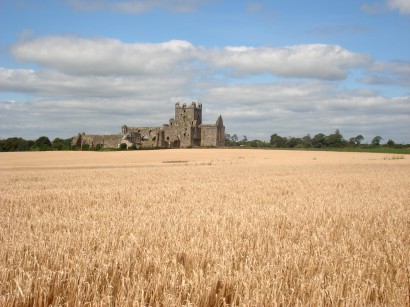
{"x":208,"y":135}
{"x":147,"y":136}
{"x":92,"y":140}
{"x":213,"y":135}
{"x":112,"y":140}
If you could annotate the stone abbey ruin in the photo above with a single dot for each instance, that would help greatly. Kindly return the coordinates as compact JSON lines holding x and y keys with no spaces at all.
{"x":185,"y":130}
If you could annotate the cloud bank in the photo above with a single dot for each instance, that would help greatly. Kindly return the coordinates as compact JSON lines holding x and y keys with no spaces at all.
{"x":98,"y":84}
{"x":100,"y":56}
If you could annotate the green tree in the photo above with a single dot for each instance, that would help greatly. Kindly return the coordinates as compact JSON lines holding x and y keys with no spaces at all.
{"x":25,"y":145}
{"x":277,"y":141}
{"x":98,"y":147}
{"x":257,"y":143}
{"x":376,"y":140}
{"x":292,"y":142}
{"x":319,"y":140}
{"x":61,"y":144}
{"x":42,"y":143}
{"x":307,"y":141}
{"x":15,"y":144}
{"x":390,"y":143}
{"x":358,"y":139}
{"x":334,"y":139}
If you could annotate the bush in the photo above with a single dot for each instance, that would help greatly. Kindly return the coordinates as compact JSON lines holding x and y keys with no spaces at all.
{"x":43,"y":143}
{"x":98,"y":147}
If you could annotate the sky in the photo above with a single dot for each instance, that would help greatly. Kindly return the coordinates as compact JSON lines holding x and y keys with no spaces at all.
{"x":290,"y":67}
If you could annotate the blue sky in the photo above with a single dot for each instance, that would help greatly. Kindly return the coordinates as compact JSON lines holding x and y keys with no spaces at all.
{"x":287,"y":67}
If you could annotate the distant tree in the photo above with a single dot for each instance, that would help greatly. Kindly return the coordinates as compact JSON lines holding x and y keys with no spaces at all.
{"x":15,"y":144}
{"x":376,"y":140}
{"x":42,"y":143}
{"x":299,"y":143}
{"x":257,"y":143}
{"x":307,"y":141}
{"x":358,"y":139}
{"x":244,"y":139}
{"x":334,"y":139}
{"x":277,"y":141}
{"x":98,"y":147}
{"x":25,"y":145}
{"x":292,"y":142}
{"x":61,"y":144}
{"x":231,"y":140}
{"x":390,"y":143}
{"x":319,"y":140}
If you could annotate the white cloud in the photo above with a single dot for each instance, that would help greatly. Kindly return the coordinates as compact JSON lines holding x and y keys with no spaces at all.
{"x":102,"y":56}
{"x":399,"y":67}
{"x":402,"y":5}
{"x":56,"y":84}
{"x":302,"y":61}
{"x":135,"y":6}
{"x":295,"y":109}
{"x":106,"y":56}
{"x":395,"y":73}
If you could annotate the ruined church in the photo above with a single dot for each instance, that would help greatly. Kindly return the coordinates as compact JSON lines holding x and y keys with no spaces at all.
{"x":184,"y":130}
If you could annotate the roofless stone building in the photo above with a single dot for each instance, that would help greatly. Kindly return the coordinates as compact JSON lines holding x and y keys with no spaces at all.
{"x":184,"y":130}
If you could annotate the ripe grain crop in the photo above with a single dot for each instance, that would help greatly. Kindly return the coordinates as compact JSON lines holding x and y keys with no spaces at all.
{"x":225,"y":227}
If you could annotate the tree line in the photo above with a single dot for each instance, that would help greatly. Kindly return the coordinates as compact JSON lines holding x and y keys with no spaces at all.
{"x":43,"y":143}
{"x":320,"y":140}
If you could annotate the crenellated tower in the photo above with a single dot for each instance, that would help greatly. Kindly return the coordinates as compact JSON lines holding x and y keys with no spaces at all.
{"x":188,"y":115}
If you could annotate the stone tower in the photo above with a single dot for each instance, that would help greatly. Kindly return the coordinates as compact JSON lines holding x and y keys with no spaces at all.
{"x":188,"y":115}
{"x":183,"y":130}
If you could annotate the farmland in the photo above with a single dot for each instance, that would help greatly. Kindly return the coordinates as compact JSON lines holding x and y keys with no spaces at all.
{"x":204,"y":227}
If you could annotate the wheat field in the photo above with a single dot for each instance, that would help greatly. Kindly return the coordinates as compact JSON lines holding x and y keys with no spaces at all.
{"x":204,"y":227}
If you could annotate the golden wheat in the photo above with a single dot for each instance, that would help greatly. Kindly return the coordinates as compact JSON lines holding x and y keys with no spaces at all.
{"x":204,"y":228}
